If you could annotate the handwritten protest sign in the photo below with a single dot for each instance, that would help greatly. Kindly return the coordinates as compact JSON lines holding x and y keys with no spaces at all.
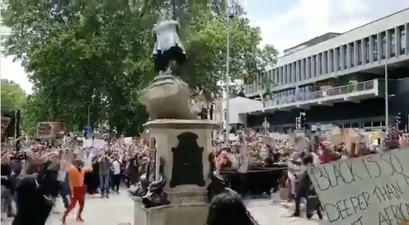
{"x":50,"y":129}
{"x":5,"y":122}
{"x":44,"y":129}
{"x":336,"y":135}
{"x":368,"y":190}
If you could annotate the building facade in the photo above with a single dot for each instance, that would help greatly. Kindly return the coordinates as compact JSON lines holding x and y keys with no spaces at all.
{"x":339,"y":78}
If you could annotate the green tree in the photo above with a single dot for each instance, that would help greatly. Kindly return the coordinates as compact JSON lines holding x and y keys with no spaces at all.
{"x":12,"y":96}
{"x":34,"y":111}
{"x":98,"y":55}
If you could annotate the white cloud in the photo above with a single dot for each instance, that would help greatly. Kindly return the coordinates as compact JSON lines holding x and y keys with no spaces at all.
{"x":14,"y":71}
{"x":310,"y":18}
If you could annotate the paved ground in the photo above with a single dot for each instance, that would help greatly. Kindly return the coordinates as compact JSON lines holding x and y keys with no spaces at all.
{"x":119,"y":210}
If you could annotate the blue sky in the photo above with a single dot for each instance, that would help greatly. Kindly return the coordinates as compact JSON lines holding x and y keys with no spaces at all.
{"x":283,"y":23}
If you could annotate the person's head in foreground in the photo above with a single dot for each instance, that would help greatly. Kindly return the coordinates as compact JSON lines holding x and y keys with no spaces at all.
{"x":227,"y":208}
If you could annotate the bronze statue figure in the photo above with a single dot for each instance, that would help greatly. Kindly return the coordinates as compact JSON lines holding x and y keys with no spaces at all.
{"x":156,"y":196}
{"x":141,"y":188}
{"x":167,"y":96}
{"x":168,"y":51}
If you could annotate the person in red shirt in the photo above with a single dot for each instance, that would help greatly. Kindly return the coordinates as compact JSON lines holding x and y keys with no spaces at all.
{"x":324,"y":154}
{"x":76,"y":177}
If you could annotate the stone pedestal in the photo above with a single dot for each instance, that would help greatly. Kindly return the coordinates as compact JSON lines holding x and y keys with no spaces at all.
{"x":185,"y":146}
{"x":167,"y":97}
{"x":139,"y":213}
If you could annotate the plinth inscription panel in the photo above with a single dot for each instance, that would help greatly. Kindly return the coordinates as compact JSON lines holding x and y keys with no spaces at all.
{"x":187,"y":161}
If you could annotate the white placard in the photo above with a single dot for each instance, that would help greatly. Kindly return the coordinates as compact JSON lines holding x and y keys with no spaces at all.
{"x":369,"y":190}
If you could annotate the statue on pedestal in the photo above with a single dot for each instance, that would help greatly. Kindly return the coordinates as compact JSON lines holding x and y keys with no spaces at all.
{"x":168,"y":51}
{"x":167,"y":97}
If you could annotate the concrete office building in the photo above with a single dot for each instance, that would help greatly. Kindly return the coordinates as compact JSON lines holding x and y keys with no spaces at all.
{"x":339,"y":78}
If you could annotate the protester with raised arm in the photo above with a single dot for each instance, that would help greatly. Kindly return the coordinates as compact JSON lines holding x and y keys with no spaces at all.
{"x":76,"y":176}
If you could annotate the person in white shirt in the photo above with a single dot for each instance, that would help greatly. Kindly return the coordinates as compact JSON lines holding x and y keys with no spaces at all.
{"x":116,"y":179}
{"x":243,"y":165}
{"x":315,"y":158}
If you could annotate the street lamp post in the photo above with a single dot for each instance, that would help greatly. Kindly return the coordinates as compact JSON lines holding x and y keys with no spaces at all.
{"x":227,"y":87}
{"x":386,"y":98}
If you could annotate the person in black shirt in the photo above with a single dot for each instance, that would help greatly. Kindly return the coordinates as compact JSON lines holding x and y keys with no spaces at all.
{"x":304,"y":189}
{"x":34,"y":196}
{"x":7,"y":188}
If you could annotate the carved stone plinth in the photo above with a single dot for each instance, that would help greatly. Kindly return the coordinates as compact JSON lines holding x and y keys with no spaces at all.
{"x":167,"y":97}
{"x":185,"y":146}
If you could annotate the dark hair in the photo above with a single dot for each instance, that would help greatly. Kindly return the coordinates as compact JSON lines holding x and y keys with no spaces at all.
{"x":307,"y":158}
{"x":227,"y":208}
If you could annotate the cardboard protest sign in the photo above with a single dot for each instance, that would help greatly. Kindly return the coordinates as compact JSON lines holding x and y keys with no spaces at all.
{"x":50,"y":129}
{"x":43,"y":129}
{"x":291,"y":137}
{"x":367,"y":190}
{"x":301,"y":142}
{"x":5,"y":122}
{"x":336,"y":136}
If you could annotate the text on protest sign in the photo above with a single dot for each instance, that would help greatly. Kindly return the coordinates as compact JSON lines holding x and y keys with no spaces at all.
{"x":370,"y":190}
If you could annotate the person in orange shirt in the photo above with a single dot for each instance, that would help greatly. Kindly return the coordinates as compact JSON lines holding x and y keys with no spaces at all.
{"x":76,"y":176}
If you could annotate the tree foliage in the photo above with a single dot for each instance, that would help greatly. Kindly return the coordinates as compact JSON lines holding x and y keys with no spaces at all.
{"x":12,"y":95}
{"x":93,"y":56}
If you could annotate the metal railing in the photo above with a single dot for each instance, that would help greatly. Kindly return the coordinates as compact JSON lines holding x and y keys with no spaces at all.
{"x":340,"y":90}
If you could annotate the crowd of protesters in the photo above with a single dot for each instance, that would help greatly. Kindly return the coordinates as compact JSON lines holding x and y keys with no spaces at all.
{"x":100,"y":170}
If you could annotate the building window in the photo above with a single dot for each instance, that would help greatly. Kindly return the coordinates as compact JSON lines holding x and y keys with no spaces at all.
{"x":313,"y":72}
{"x":402,"y":44}
{"x":359,"y":52}
{"x":367,"y":47}
{"x":282,"y":75}
{"x":375,"y":47}
{"x":345,"y":49}
{"x":393,"y":43}
{"x":330,"y":61}
{"x":384,"y":45}
{"x":273,"y":76}
{"x":351,"y":51}
{"x":339,"y":58}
